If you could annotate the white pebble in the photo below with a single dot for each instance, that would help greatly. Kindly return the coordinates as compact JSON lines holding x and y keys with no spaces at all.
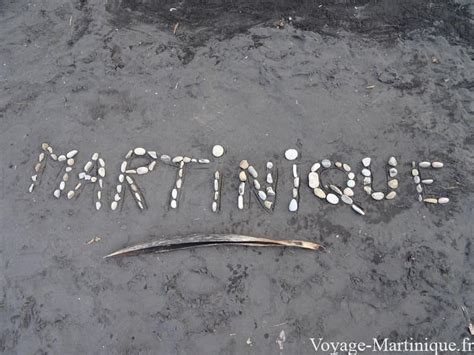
{"x":218,"y":151}
{"x":139,"y":151}
{"x":291,"y":154}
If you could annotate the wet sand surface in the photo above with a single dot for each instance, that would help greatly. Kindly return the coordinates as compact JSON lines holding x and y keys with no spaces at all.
{"x":339,"y":80}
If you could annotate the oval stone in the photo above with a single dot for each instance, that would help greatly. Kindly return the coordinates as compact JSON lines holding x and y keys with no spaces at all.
{"x":437,"y":164}
{"x":393,"y":184}
{"x":319,"y":193}
{"x":315,"y":167}
{"x":378,"y":195}
{"x":313,"y":180}
{"x":252,"y":171}
{"x":348,"y":192}
{"x":291,"y":154}
{"x":139,"y":151}
{"x":391,"y":195}
{"x":366,"y":162}
{"x":366,"y":172}
{"x":332,"y":199}
{"x":392,"y":161}
{"x":326,"y":163}
{"x":443,"y":200}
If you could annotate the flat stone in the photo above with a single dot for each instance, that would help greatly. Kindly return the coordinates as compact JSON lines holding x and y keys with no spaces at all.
{"x":315,"y":167}
{"x":291,"y":154}
{"x":242,"y":176}
{"x":443,"y":200}
{"x":358,"y":209}
{"x":57,"y":193}
{"x":391,"y":195}
{"x":393,"y":184}
{"x":392,"y":172}
{"x":139,"y":151}
{"x":430,"y":200}
{"x":218,"y":151}
{"x":165,"y":158}
{"x":244,"y":164}
{"x":313,"y":180}
{"x":366,"y":162}
{"x":152,"y":154}
{"x":319,"y":193}
{"x":173,"y":204}
{"x":293,"y":206}
{"x":348,"y":192}
{"x":346,"y":199}
{"x":62,"y":157}
{"x":177,"y":159}
{"x":424,"y":164}
{"x":346,"y":167}
{"x":332,"y":199}
{"x":123,"y":167}
{"x":114,"y":205}
{"x":262,"y":195}
{"x":378,"y":195}
{"x":427,"y":181}
{"x":296,"y":182}
{"x":101,"y":171}
{"x":335,"y":189}
{"x":240,"y":202}
{"x":392,"y":161}
{"x":416,"y":179}
{"x":241,"y":188}
{"x":252,"y":171}
{"x":256,"y":184}
{"x":326,"y":163}
{"x":437,"y":164}
{"x":366,"y":172}
{"x":351,"y":183}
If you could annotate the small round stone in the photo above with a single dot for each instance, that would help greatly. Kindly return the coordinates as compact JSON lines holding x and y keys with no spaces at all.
{"x":392,"y":161}
{"x":139,"y":151}
{"x":269,"y":165}
{"x":114,"y":205}
{"x":391,"y":195}
{"x":142,"y":170}
{"x":218,"y":151}
{"x":348,"y":192}
{"x":326,"y":163}
{"x":416,"y":179}
{"x":393,"y":184}
{"x":378,"y":196}
{"x":262,"y":195}
{"x":244,"y":164}
{"x":351,"y":183}
{"x":242,"y":176}
{"x":443,"y":200}
{"x":366,"y":172}
{"x":173,"y":204}
{"x":392,"y":172}
{"x":346,"y":167}
{"x":351,"y":176}
{"x":291,"y":154}
{"x":366,"y":162}
{"x":415,"y":172}
{"x":332,"y":199}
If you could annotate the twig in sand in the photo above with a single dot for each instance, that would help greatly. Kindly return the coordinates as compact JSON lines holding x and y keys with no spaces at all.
{"x":202,"y":240}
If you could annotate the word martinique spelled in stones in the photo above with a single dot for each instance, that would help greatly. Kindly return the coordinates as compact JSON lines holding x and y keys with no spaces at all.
{"x":262,"y":186}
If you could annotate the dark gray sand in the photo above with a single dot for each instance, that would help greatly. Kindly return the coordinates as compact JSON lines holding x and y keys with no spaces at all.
{"x":109,"y":76}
